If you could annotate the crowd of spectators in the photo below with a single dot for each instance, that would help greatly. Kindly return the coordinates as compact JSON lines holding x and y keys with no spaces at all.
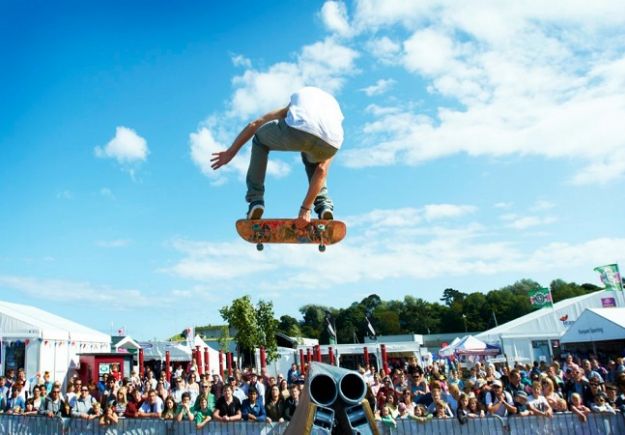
{"x":406,"y":391}
{"x":189,"y":397}
{"x":450,"y":390}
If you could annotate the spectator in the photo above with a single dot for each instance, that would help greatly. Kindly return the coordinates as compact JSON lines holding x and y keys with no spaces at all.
{"x":30,"y":408}
{"x":95,"y":412}
{"x":293,"y":374}
{"x":135,"y":400}
{"x":462,"y":411}
{"x":218,"y":385}
{"x":391,"y":405}
{"x":274,"y":408}
{"x":475,"y":411}
{"x":578,"y":407}
{"x":537,"y":403}
{"x":185,"y":410}
{"x":4,"y":390}
{"x":284,"y":389}
{"x":554,"y":399}
{"x":252,"y":408}
{"x":161,"y":390}
{"x":109,"y":416}
{"x":109,"y":393}
{"x":577,"y":383}
{"x":16,"y":403}
{"x":120,"y":403}
{"x":178,"y":389}
{"x":169,"y":411}
{"x":436,"y":394}
{"x":420,"y":414}
{"x":406,"y":399}
{"x":228,"y":407}
{"x":611,"y":395}
{"x":601,"y":405}
{"x":441,"y":409}
{"x":203,"y":414}
{"x":520,"y":403}
{"x":386,"y":418}
{"x":291,"y":403}
{"x":237,"y":391}
{"x":53,"y":405}
{"x":83,"y":404}
{"x":152,"y":407}
{"x":205,"y":391}
{"x":254,"y":384}
{"x":499,"y":402}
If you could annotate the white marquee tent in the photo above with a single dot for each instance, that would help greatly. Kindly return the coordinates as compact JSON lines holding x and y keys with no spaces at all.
{"x":597,"y":324}
{"x":533,"y":336}
{"x":40,"y":341}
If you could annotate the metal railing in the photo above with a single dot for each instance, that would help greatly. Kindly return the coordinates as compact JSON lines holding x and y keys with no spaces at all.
{"x":565,"y":423}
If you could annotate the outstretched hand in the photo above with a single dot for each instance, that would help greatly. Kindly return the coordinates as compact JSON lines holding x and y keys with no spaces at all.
{"x":221,"y":158}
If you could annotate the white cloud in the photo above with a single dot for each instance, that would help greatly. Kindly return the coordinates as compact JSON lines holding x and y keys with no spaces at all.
{"x":65,"y":194}
{"x":240,"y":60}
{"x":126,"y":147}
{"x":334,"y":17}
{"x":384,"y":49}
{"x":324,"y":64}
{"x":107,"y":193}
{"x":523,"y":223}
{"x":71,"y":291}
{"x":519,"y":79}
{"x":428,"y":52}
{"x":444,"y":211}
{"x":380,"y":87}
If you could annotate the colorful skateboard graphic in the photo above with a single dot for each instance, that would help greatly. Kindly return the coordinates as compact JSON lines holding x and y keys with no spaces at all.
{"x":261,"y":231}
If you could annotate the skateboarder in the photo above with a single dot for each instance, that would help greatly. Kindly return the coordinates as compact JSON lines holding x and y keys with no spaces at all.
{"x":310,"y":124}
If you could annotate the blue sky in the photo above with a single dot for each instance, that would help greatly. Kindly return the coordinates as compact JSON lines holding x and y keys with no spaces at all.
{"x":484,"y":144}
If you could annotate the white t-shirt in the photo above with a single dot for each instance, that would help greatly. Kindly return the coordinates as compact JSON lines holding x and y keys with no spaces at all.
{"x":318,"y":113}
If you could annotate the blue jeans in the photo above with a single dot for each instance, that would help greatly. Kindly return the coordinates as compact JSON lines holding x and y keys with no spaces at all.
{"x":278,"y":136}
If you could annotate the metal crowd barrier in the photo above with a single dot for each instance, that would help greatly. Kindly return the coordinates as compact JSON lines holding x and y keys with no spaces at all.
{"x":566,"y":423}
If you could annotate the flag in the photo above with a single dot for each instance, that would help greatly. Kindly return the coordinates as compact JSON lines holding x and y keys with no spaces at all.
{"x":541,"y":297}
{"x":610,"y":277}
{"x":372,"y":333}
{"x":121,"y":331}
{"x":331,"y":331}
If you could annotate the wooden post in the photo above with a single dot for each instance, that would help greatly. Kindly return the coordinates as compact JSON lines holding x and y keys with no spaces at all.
{"x":167,"y":366}
{"x":221,"y":363}
{"x":198,"y":360}
{"x":331,"y":354}
{"x":207,"y":364}
{"x":141,"y":366}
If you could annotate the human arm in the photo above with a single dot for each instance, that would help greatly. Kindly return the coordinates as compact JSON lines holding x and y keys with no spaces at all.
{"x":222,"y":158}
{"x":316,"y":183}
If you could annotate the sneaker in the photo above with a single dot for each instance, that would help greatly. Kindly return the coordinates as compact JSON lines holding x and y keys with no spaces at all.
{"x":326,"y":214}
{"x":256,"y":210}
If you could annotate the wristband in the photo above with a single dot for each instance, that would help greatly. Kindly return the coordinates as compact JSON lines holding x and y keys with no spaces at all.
{"x":304,"y":208}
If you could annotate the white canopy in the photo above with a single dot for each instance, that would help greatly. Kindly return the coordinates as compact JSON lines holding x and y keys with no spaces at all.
{"x":449,"y":349}
{"x":597,"y":324}
{"x":468,"y":345}
{"x":25,"y":321}
{"x":155,"y":350}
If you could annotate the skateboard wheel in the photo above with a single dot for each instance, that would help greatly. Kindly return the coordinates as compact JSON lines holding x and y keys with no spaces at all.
{"x":259,"y":247}
{"x":321,"y":227}
{"x":256,"y":227}
{"x":322,"y":248}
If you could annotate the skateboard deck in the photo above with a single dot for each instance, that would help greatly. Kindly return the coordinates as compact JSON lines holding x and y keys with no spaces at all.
{"x":261,"y":231}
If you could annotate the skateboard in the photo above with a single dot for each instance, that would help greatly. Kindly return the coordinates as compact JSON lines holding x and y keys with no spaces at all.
{"x":261,"y":231}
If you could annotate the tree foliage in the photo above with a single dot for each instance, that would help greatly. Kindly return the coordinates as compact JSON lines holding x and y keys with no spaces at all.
{"x":413,"y":315}
{"x":256,"y":326}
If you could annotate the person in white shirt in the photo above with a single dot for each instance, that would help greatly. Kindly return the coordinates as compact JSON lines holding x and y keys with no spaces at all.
{"x":537,"y":403}
{"x":310,"y":124}
{"x":152,"y":407}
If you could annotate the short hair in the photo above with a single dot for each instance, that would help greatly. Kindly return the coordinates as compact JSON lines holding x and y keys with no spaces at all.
{"x":185,"y":395}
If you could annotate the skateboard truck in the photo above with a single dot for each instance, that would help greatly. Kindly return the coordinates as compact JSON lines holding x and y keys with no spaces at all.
{"x":321,"y":229}
{"x":258,"y":236}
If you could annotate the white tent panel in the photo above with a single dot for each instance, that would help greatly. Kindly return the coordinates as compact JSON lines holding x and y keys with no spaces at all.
{"x":598,"y":324}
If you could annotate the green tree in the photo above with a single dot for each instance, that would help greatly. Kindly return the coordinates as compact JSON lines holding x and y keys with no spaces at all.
{"x":224,"y":339}
{"x":290,"y":326}
{"x":268,"y":327}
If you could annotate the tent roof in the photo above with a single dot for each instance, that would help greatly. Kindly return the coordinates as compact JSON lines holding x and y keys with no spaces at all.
{"x":26,"y":321}
{"x":597,"y":324}
{"x":544,"y":320}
